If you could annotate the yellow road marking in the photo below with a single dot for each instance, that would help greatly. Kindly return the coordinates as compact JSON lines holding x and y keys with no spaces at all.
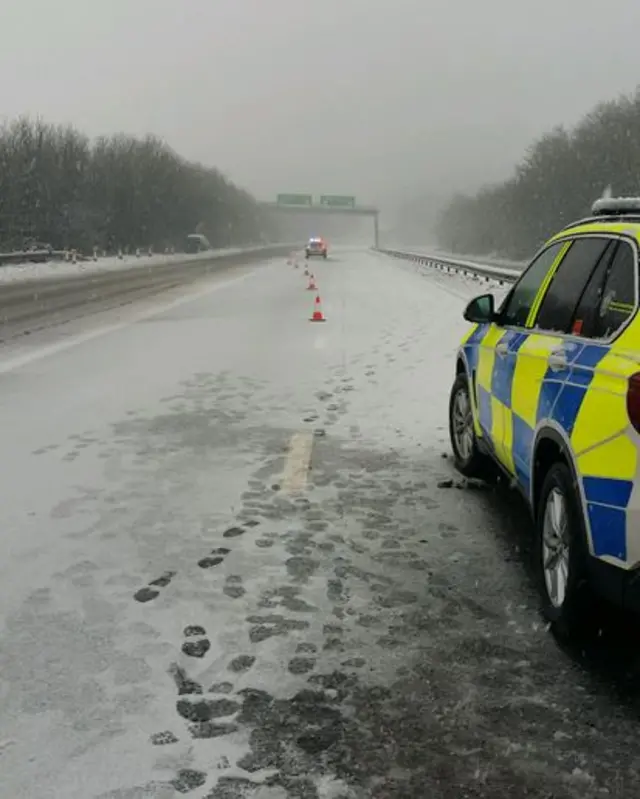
{"x":296,"y":465}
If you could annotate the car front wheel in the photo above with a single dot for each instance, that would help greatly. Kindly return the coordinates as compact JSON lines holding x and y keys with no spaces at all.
{"x":467,"y":457}
{"x":567,"y":599}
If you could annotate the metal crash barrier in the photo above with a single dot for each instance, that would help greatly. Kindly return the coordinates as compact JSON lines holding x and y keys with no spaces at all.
{"x":446,"y":264}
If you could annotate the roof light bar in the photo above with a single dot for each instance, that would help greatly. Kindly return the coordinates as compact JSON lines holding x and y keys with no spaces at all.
{"x":616,"y":206}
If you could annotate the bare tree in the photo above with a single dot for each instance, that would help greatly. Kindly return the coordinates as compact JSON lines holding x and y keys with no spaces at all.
{"x":557,"y":180}
{"x":57,"y":187}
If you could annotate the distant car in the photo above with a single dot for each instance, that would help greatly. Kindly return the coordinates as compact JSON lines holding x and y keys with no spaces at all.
{"x":316,"y":247}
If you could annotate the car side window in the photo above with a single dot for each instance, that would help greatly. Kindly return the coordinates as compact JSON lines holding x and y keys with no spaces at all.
{"x":569,"y":282}
{"x":617,"y":298}
{"x":584,"y":322}
{"x":517,"y":305}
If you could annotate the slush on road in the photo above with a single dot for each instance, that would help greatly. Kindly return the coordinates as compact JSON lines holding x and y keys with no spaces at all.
{"x":238,"y":561}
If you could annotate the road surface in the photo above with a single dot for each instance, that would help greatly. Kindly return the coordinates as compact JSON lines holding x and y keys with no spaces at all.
{"x":237,"y":563}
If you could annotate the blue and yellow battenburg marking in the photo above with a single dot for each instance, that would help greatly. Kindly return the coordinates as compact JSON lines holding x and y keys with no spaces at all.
{"x":518,"y":390}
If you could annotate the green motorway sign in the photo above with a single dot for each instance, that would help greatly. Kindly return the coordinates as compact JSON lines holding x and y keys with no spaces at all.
{"x":336,"y":201}
{"x":295,"y":199}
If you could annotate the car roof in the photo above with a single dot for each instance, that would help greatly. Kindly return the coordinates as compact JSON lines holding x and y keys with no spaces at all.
{"x":625,"y":225}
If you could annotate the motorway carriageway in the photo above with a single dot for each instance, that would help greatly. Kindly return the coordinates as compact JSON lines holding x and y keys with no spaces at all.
{"x":237,"y":562}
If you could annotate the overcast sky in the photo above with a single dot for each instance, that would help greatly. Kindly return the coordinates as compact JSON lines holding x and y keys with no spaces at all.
{"x":369,"y":97}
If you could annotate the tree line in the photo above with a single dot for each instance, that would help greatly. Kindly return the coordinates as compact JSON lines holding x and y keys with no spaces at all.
{"x":556,"y":182}
{"x":59,"y":188}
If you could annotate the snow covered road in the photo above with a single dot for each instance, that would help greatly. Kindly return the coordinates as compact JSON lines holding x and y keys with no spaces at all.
{"x":238,"y":565}
{"x":43,"y":297}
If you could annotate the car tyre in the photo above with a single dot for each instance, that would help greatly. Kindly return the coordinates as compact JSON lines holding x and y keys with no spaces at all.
{"x":561,"y":554}
{"x":468,"y":459}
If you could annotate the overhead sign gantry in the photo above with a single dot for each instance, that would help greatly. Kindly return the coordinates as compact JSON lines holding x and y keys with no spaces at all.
{"x":335,"y":204}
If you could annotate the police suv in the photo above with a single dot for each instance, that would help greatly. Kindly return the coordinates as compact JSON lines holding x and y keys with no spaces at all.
{"x":316,"y":247}
{"x":547,"y":389}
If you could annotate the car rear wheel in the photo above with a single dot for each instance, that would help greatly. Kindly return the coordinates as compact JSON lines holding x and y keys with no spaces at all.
{"x":567,"y":599}
{"x":467,"y":457}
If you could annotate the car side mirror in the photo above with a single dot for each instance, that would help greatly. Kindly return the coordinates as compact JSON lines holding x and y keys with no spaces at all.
{"x":481,"y":310}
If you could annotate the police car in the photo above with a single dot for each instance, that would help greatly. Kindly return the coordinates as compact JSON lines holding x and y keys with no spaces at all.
{"x":316,"y":246}
{"x":547,"y":389}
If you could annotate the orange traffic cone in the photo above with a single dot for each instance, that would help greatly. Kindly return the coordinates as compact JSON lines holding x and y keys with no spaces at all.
{"x":312,"y":284}
{"x":317,"y":315}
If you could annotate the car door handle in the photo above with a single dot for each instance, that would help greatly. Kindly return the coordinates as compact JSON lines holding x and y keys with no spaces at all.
{"x":557,"y":361}
{"x":502,"y":349}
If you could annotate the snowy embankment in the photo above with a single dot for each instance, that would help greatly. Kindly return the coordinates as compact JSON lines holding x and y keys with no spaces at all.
{"x":54,"y":269}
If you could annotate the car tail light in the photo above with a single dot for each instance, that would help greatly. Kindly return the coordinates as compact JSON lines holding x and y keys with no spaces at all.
{"x":633,"y":400}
